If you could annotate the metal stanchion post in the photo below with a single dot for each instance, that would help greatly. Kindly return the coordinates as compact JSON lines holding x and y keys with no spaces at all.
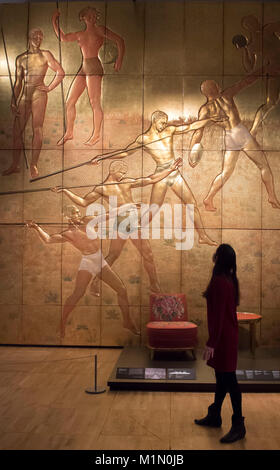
{"x":96,"y":390}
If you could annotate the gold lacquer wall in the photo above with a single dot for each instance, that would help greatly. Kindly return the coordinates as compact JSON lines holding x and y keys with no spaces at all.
{"x":79,"y":89}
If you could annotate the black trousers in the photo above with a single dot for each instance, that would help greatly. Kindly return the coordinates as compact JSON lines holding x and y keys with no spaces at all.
{"x":227,"y":382}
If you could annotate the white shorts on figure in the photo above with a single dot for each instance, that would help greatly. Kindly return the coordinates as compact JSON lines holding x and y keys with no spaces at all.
{"x":237,"y":138}
{"x":93,"y":263}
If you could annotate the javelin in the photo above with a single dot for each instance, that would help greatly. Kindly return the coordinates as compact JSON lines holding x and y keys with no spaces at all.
{"x":102,"y":156}
{"x":13,"y":92}
{"x":60,"y":59}
{"x":24,"y":191}
{"x":108,"y":155}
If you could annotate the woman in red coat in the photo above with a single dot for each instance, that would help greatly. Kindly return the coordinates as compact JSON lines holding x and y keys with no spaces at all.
{"x":222,"y":295}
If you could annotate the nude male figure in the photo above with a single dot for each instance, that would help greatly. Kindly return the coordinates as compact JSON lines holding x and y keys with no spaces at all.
{"x":263,"y":44}
{"x":111,"y":187}
{"x":92,"y":264}
{"x":237,"y":138}
{"x":157,"y":141}
{"x":91,"y":71}
{"x":30,"y":97}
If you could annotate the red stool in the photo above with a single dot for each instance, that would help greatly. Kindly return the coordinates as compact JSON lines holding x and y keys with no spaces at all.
{"x":169,"y":328}
{"x":250,"y":319}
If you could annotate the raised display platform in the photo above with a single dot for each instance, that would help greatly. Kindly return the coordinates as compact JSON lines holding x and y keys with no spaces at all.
{"x":177,"y":371}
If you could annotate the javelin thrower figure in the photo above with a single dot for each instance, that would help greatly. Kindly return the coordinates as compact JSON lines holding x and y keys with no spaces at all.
{"x":92,"y":264}
{"x":117,"y":184}
{"x":90,"y":74}
{"x":157,"y":141}
{"x":30,"y":97}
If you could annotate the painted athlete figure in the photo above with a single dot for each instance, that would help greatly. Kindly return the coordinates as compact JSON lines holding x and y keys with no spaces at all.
{"x":91,"y":71}
{"x":30,"y":98}
{"x":263,"y":45}
{"x":92,"y":264}
{"x":157,"y":141}
{"x":237,"y":137}
{"x":123,"y":192}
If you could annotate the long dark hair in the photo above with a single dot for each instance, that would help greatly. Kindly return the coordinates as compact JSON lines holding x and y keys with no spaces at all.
{"x":225,"y":265}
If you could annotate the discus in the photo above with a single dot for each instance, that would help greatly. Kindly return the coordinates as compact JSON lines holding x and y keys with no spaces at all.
{"x":195,"y":154}
{"x":108,"y":53}
{"x":239,"y":41}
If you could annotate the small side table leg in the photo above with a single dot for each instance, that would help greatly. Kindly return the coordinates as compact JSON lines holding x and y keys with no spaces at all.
{"x":253,"y":337}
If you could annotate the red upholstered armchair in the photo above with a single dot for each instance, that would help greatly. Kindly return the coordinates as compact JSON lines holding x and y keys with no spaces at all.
{"x":169,"y":328}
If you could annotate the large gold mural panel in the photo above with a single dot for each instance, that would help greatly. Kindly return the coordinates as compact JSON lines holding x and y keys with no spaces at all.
{"x":104,"y":112}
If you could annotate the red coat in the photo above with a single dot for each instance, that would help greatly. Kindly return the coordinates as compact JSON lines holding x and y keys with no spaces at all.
{"x":222,"y":324}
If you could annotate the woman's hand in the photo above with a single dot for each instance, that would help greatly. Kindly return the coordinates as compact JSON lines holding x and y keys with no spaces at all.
{"x":208,"y":353}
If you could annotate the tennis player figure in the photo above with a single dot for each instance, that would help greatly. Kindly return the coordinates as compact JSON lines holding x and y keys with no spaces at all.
{"x":157,"y":141}
{"x":263,"y":45}
{"x":92,"y":264}
{"x":91,"y":71}
{"x":237,"y":138}
{"x":123,"y":192}
{"x":30,"y":98}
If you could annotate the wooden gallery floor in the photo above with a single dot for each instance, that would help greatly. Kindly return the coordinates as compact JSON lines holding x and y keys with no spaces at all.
{"x":43,"y":405}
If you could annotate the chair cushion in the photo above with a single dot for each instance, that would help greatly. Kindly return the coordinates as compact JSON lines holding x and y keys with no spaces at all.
{"x":168,"y":307}
{"x":172,"y":334}
{"x":171,"y":325}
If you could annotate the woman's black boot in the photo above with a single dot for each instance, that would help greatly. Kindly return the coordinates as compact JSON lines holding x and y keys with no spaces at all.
{"x":213,"y":418}
{"x":236,"y":432}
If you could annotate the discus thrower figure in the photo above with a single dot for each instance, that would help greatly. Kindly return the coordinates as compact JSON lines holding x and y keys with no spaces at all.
{"x":237,"y":137}
{"x":263,"y":43}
